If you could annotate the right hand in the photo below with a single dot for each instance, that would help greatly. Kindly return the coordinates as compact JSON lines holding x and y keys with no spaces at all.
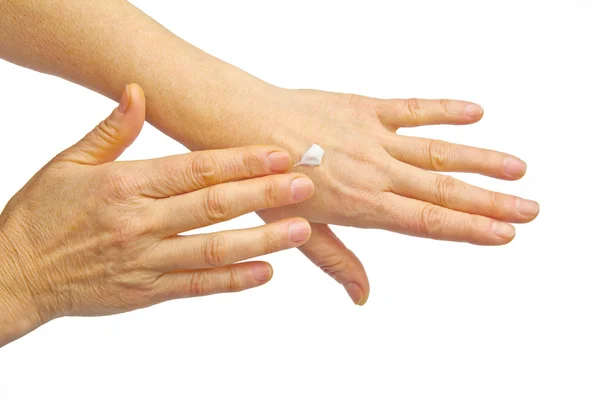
{"x":88,"y":236}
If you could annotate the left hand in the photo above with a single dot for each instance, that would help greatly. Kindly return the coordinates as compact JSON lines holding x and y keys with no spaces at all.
{"x":372,"y":178}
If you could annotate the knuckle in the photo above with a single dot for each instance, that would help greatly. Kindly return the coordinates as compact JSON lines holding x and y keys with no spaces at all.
{"x":271,"y":241}
{"x":203,"y":171}
{"x":216,"y":250}
{"x":120,"y":183}
{"x":234,"y":282}
{"x":334,"y":266}
{"x":368,"y":196}
{"x":412,"y":109}
{"x":125,"y":232}
{"x":270,"y":192}
{"x":430,"y":220}
{"x":497,"y":202}
{"x":358,"y":105}
{"x":362,"y":155}
{"x":438,"y":153}
{"x":445,"y":189}
{"x":252,"y":163}
{"x":216,"y":206}
{"x":107,"y":131}
{"x":445,"y":107}
{"x":199,"y":284}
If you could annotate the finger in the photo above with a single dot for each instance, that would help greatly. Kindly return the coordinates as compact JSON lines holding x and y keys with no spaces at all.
{"x":437,"y":155}
{"x":226,"y":201}
{"x":328,"y":252}
{"x":232,"y":278}
{"x":449,"y":192}
{"x":417,"y":112}
{"x":170,"y":176}
{"x":107,"y":141}
{"x":418,"y":218}
{"x":224,"y":248}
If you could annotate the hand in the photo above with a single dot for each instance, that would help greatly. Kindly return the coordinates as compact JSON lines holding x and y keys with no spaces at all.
{"x":372,"y":178}
{"x":88,"y":236}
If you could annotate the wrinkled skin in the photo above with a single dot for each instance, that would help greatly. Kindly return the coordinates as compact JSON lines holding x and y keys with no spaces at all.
{"x":90,"y":236}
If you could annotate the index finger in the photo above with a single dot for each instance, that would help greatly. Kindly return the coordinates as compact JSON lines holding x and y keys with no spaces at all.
{"x":398,"y":113}
{"x":174,"y":175}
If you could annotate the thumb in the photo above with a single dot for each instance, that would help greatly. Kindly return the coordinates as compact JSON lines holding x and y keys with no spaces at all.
{"x":328,"y":252}
{"x":109,"y":139}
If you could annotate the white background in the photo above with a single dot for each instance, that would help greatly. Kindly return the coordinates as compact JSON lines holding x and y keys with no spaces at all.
{"x":444,"y":320}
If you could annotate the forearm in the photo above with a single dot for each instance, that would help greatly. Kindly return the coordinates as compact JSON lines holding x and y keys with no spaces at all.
{"x":191,"y":95}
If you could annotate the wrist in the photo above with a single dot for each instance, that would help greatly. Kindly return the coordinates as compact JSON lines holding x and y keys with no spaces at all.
{"x":230,"y":111}
{"x":19,"y":313}
{"x":209,"y":103}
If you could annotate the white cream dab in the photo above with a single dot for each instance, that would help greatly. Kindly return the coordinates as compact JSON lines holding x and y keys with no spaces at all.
{"x":312,"y":157}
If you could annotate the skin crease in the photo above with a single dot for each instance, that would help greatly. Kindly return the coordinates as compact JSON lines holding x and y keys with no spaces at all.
{"x":370,"y":177}
{"x":89,"y":236}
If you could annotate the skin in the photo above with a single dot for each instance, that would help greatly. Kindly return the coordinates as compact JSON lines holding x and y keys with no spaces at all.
{"x":90,"y":236}
{"x":371,"y":177}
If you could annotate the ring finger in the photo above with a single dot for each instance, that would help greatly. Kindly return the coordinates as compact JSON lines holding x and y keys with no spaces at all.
{"x":452,"y":193}
{"x":418,"y":218}
{"x":224,"y":248}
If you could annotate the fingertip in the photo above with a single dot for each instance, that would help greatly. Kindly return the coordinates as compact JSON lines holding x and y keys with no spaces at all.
{"x":132,"y":100}
{"x":124,"y":101}
{"x":138,"y":101}
{"x":356,"y":293}
{"x":474,"y":111}
{"x":135,"y":89}
{"x":365,"y":298}
{"x":262,"y":272}
{"x":299,"y":231}
{"x":302,"y":188}
{"x":529,"y":209}
{"x":505,"y":232}
{"x":131,"y":112}
{"x":514,"y":168}
{"x":279,"y":160}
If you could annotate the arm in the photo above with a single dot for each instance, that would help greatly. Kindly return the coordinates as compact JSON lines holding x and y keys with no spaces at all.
{"x":106,"y":45}
{"x":115,"y":245}
{"x":370,"y":177}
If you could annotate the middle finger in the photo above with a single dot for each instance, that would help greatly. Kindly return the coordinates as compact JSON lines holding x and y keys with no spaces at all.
{"x":226,"y":201}
{"x":449,"y":192}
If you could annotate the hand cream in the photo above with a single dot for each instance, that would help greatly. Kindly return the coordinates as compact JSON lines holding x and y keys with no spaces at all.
{"x":312,"y":157}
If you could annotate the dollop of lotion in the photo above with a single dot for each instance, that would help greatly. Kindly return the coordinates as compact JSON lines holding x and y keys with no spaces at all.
{"x":312,"y":157}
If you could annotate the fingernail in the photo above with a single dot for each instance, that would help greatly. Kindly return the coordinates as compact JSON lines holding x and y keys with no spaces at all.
{"x":355,"y":293}
{"x":528,"y":208}
{"x":503,"y":230}
{"x":473,"y":110}
{"x":279,"y":161}
{"x":299,"y":231}
{"x":261,"y":272}
{"x":302,"y":188}
{"x":124,"y":103}
{"x":514,"y":167}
